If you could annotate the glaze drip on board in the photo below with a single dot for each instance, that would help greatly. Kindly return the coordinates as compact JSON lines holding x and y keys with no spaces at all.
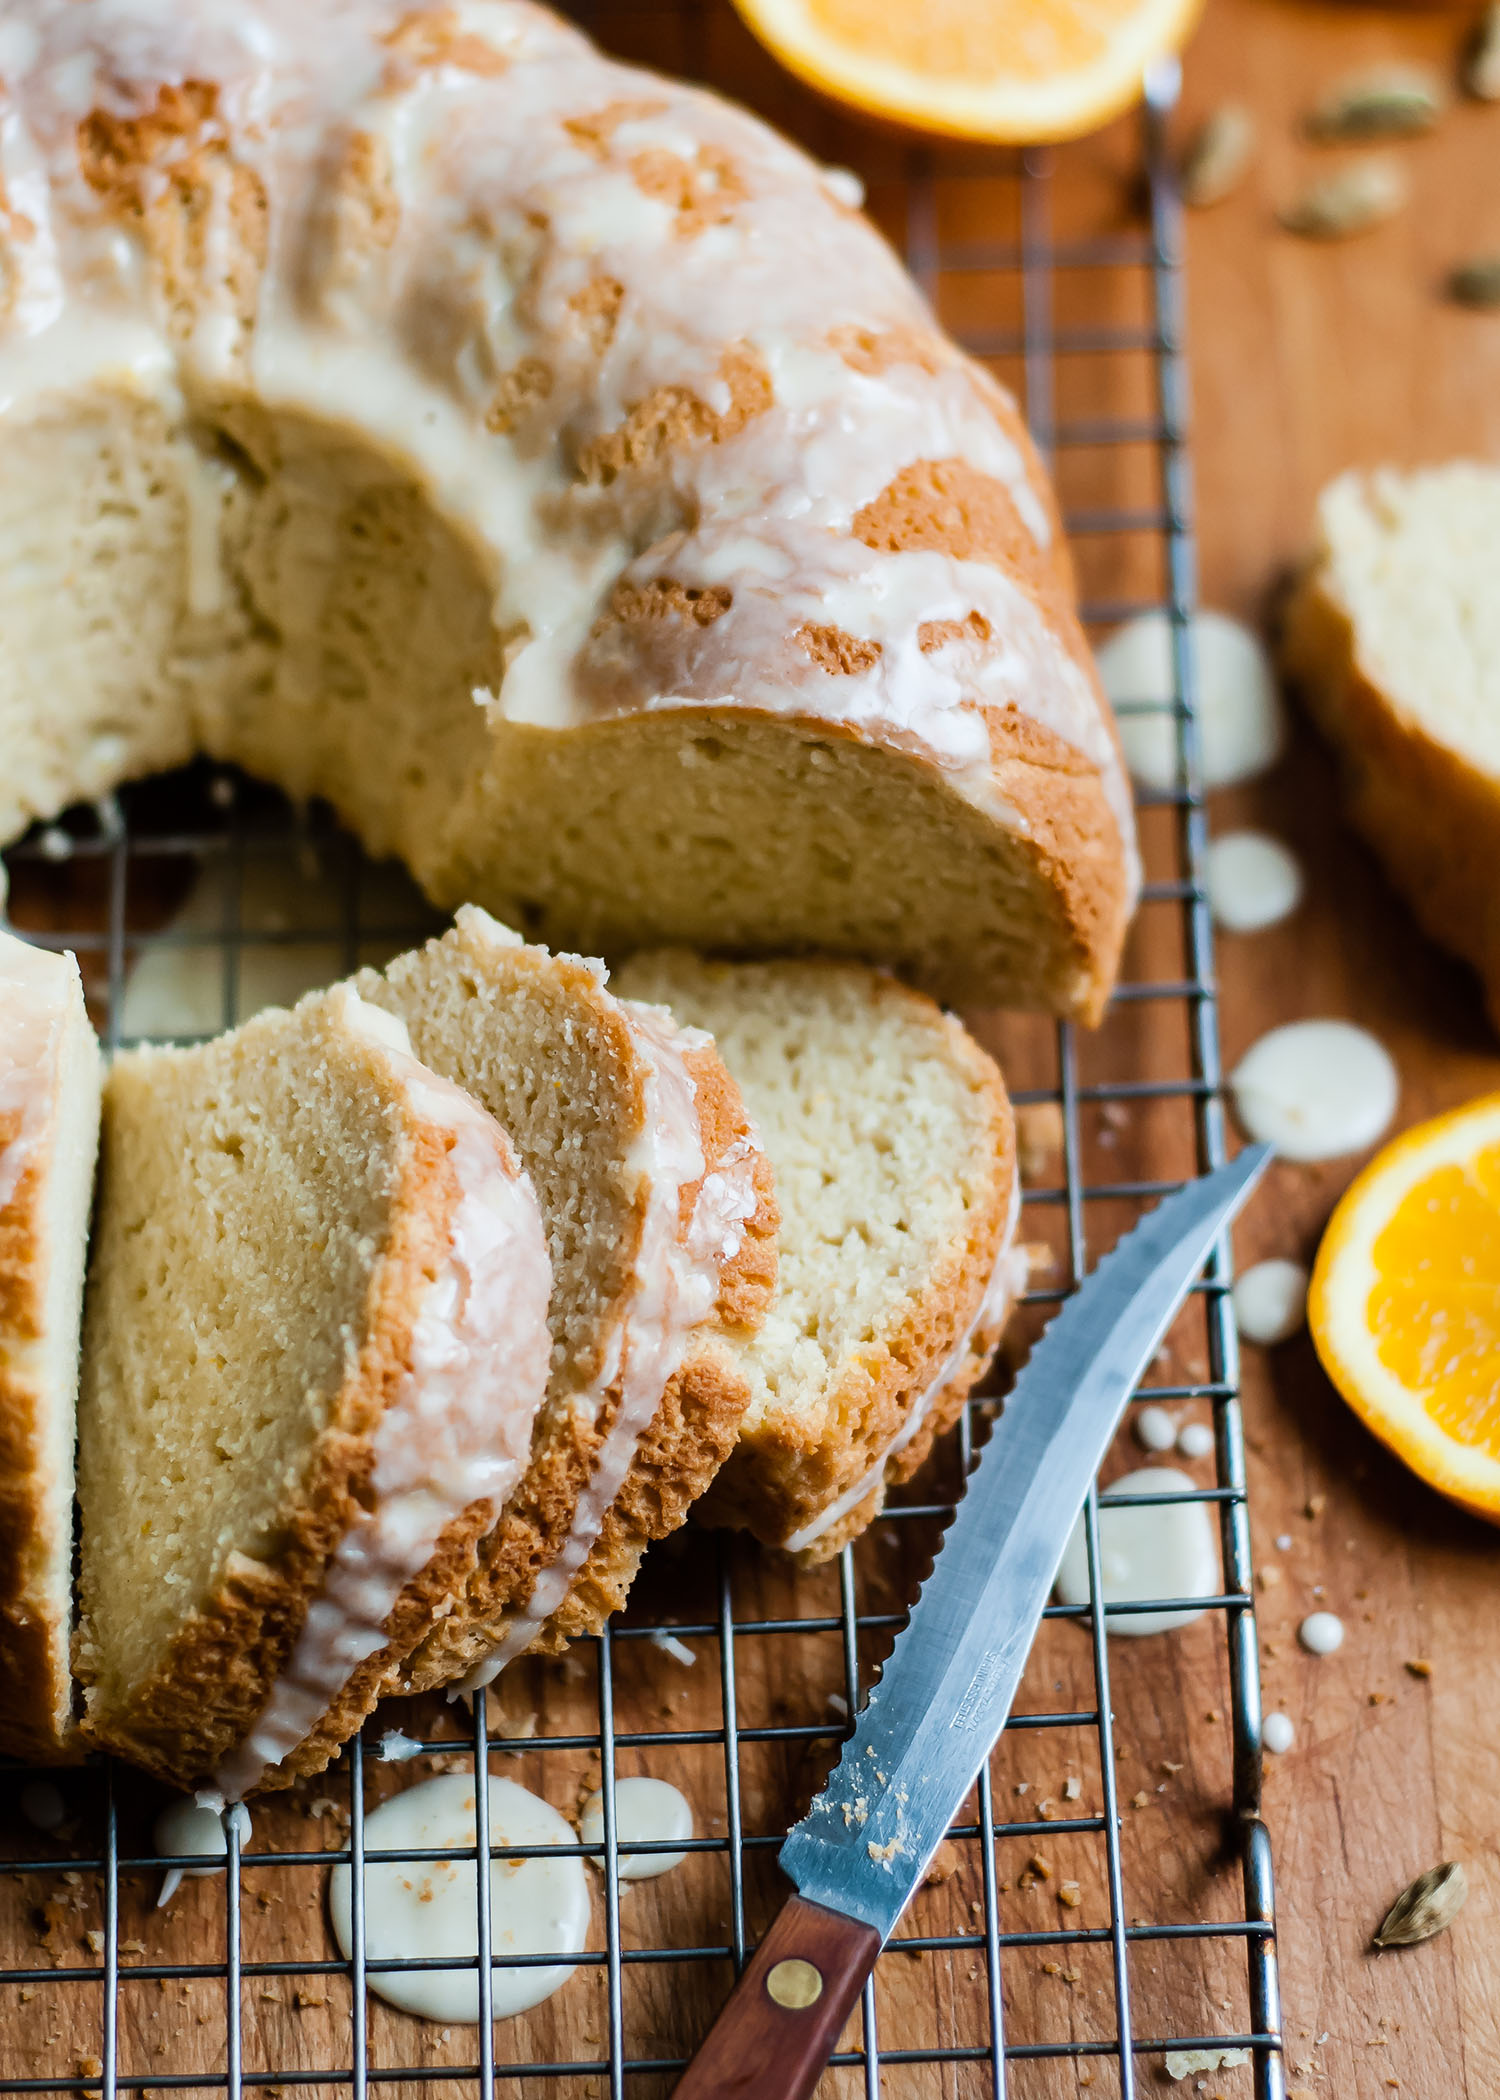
{"x":427,"y":1909}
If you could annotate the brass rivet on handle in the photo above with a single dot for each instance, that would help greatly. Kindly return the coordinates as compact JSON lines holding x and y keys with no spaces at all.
{"x":795,"y":1984}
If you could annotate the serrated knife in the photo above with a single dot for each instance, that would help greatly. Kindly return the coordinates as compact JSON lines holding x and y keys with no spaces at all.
{"x":943,"y":1697}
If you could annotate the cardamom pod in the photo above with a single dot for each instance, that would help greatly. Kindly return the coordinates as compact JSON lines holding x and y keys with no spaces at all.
{"x":1429,"y":1906}
{"x":1384,"y":102}
{"x":1355,"y":198}
{"x":1476,"y":283}
{"x":1216,"y":161}
{"x":1482,"y":65}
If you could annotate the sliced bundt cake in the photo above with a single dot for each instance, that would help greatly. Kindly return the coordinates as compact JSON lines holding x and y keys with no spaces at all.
{"x":49,"y":1129}
{"x":360,"y":363}
{"x":1393,"y":635}
{"x":315,"y":1345}
{"x":891,"y":1139}
{"x":662,"y":1227}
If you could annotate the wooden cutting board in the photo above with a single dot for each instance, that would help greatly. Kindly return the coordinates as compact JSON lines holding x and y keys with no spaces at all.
{"x":1309,"y":359}
{"x":1305,"y":360}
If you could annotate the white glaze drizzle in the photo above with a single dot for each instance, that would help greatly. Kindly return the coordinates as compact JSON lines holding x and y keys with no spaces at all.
{"x":496,"y":217}
{"x":196,"y":1824}
{"x":459,"y":1428}
{"x":673,"y":1290}
{"x":1007,"y":1281}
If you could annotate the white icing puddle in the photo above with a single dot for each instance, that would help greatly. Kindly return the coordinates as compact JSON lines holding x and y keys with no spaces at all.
{"x":195,"y":1824}
{"x":1253,"y":881}
{"x":1163,"y":1550}
{"x":1277,"y":1734}
{"x":647,"y":1812}
{"x":1155,"y":1429}
{"x":1321,"y":1632}
{"x":427,"y":1909}
{"x":1315,"y":1089}
{"x":1270,"y":1301}
{"x":290,"y":912}
{"x":1195,"y":1440}
{"x":1239,"y":709}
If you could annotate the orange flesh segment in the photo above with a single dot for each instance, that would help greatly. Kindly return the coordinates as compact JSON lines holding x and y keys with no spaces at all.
{"x":964,"y":41}
{"x":1434,"y":1310}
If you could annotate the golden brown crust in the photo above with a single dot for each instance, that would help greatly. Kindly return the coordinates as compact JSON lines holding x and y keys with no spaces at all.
{"x":1432,"y":819}
{"x":34,"y":1661}
{"x":33,"y":1647}
{"x":1074,"y":839}
{"x":212,"y":1683}
{"x":674,"y":419}
{"x":690,"y":1436}
{"x":792,"y":1467}
{"x":204,"y":216}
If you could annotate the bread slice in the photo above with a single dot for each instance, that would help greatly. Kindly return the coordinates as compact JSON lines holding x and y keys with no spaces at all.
{"x":662,"y":1226}
{"x":891,"y":1139}
{"x":1393,"y":635}
{"x":315,"y":1344}
{"x":49,"y":1133}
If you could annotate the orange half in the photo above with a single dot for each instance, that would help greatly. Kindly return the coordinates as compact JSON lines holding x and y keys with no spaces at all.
{"x":1405,"y":1302}
{"x":1009,"y":70}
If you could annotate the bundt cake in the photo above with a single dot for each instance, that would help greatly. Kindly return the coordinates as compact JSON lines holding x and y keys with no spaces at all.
{"x":662,"y":1229}
{"x":315,"y":1344}
{"x":891,"y":1139}
{"x":543,"y":462}
{"x":49,"y":1127}
{"x":1393,"y":636}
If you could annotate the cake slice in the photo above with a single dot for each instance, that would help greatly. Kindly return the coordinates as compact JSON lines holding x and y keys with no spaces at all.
{"x":662,"y":1227}
{"x":890,"y":1135}
{"x":315,"y":1344}
{"x":49,"y":1130}
{"x":1393,"y":635}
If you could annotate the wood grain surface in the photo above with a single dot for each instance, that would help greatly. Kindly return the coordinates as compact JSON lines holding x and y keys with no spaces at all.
{"x":1305,"y":360}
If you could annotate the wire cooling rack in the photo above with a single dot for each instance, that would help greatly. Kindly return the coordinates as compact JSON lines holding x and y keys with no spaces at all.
{"x":1105,"y":1897}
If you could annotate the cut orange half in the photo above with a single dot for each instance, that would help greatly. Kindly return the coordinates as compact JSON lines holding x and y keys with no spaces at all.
{"x":1405,"y":1302}
{"x":1011,"y":70}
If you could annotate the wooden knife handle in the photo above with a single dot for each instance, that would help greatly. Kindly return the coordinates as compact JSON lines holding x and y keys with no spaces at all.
{"x":784,"y":2016}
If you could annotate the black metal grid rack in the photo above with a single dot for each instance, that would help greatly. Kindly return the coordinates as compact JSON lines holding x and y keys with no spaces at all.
{"x":106,"y":883}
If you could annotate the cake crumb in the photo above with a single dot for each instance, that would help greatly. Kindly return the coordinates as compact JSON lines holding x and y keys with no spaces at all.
{"x":1315,"y":1505}
{"x":1040,"y":1865}
{"x":1140,"y":1800}
{"x":1070,"y":1895}
{"x":1072,"y":1788}
{"x":942,"y":1866}
{"x":1419,"y":1666}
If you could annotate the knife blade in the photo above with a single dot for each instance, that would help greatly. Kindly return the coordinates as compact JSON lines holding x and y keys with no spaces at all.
{"x":943,"y":1697}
